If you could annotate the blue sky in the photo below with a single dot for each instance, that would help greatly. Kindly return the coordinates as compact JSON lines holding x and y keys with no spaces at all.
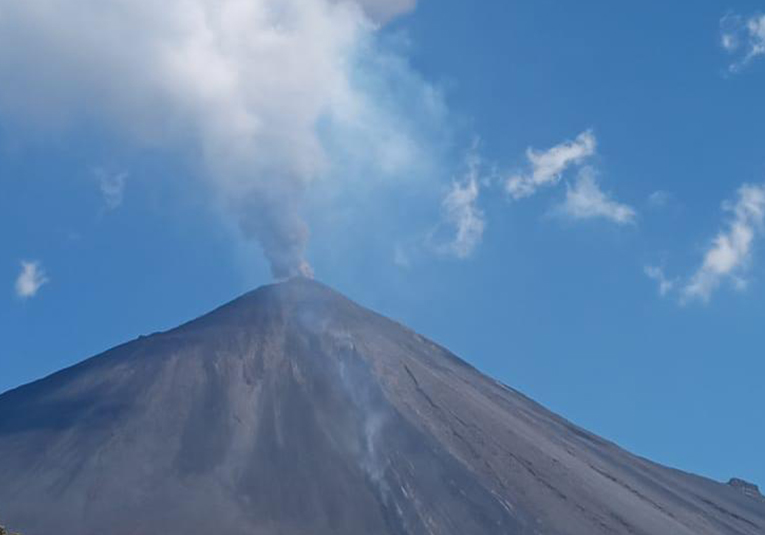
{"x":643,"y":123}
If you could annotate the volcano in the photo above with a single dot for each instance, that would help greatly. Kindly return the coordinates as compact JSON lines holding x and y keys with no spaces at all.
{"x":294,"y":411}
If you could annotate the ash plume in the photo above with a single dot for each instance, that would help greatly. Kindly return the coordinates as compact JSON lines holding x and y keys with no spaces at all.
{"x":241,"y":84}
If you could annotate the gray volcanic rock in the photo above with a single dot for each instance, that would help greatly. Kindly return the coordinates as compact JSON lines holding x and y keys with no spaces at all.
{"x":747,"y":488}
{"x":293,"y":411}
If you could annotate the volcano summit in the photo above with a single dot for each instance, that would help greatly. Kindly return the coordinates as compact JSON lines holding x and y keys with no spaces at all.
{"x":294,"y":411}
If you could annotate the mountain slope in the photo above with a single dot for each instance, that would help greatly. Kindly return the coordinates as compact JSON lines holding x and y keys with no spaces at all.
{"x":294,"y":411}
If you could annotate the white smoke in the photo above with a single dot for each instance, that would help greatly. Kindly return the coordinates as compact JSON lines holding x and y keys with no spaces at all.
{"x":244,"y":84}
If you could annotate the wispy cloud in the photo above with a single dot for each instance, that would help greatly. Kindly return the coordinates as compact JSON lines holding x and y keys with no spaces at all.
{"x":743,"y":37}
{"x":461,"y":225}
{"x":666,"y":285}
{"x":462,"y":213}
{"x":30,"y":280}
{"x":546,"y":167}
{"x":401,"y":256}
{"x":659,"y":199}
{"x":586,"y":200}
{"x":731,"y":250}
{"x":112,"y":186}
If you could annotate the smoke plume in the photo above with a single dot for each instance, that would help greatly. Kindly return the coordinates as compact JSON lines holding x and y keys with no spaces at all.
{"x":244,"y":84}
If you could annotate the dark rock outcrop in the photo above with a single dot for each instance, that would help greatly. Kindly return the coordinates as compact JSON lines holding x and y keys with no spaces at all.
{"x":747,"y":488}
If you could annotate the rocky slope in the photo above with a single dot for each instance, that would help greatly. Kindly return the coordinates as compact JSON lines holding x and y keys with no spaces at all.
{"x":294,"y":411}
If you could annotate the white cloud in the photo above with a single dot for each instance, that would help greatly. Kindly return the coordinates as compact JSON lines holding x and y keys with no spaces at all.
{"x":657,"y":274}
{"x":730,"y":252}
{"x":112,"y":187}
{"x":547,"y":167}
{"x":30,"y":280}
{"x":461,"y":212}
{"x":585,"y":200}
{"x":743,"y":37}
{"x":249,"y":87}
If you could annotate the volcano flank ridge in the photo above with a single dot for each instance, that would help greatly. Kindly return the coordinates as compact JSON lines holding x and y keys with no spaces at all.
{"x":293,"y":410}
